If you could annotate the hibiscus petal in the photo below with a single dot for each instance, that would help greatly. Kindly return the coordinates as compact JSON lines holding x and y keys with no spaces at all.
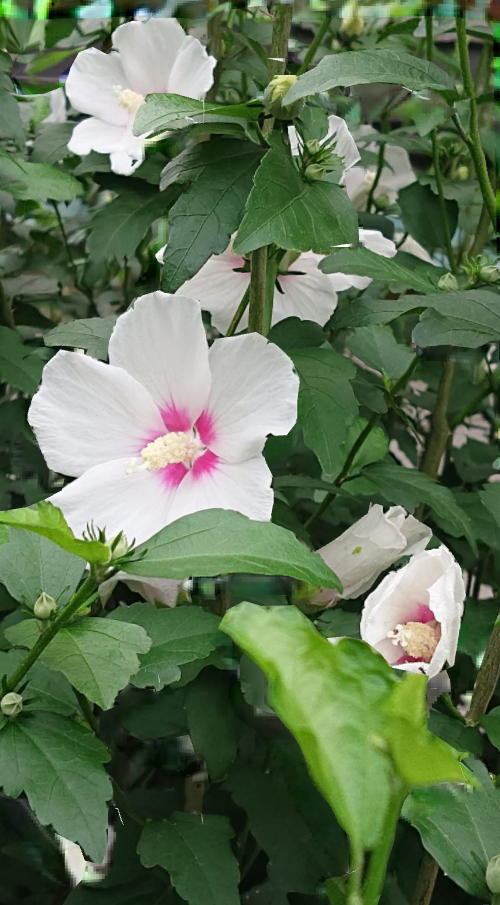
{"x":165,"y":590}
{"x":345,"y":145}
{"x":254,"y":393}
{"x":86,"y":413}
{"x":161,"y":342}
{"x":91,"y":82}
{"x":138,"y":504}
{"x":127,"y":151}
{"x":244,"y":487}
{"x":218,"y":288}
{"x":192,"y":72}
{"x":375,"y":241}
{"x":311,"y":297}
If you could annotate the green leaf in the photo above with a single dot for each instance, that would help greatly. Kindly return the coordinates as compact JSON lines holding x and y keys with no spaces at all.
{"x":377,"y":347}
{"x":490,"y":496}
{"x":30,"y":564}
{"x":374,"y":448}
{"x":491,"y":722}
{"x":468,"y":318}
{"x":157,"y":715}
{"x":47,"y":520}
{"x":327,"y":405}
{"x":58,"y":764}
{"x":45,"y":690}
{"x":196,"y":852}
{"x":178,"y":636}
{"x":363,"y":262}
{"x":92,"y":334}
{"x":213,"y":726}
{"x":460,"y":737}
{"x":118,"y":227}
{"x":173,"y":111}
{"x":460,"y":829}
{"x":97,"y":656}
{"x":39,"y":181}
{"x":422,"y":217}
{"x":477,"y":625}
{"x":285,"y":210}
{"x":203,"y":219}
{"x":334,"y":725}
{"x":292,"y":333}
{"x":11,"y":124}
{"x":366,"y":67}
{"x":337,"y":623}
{"x":219,"y":542}
{"x":421,"y":758}
{"x":51,"y":142}
{"x":19,"y":365}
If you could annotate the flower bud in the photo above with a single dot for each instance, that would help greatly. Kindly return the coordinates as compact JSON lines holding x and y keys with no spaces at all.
{"x":493,"y":875}
{"x":44,"y":606}
{"x":314,"y":172}
{"x":11,"y":704}
{"x":382,"y":202}
{"x":274,"y":94}
{"x":313,"y":146}
{"x":448,"y":282}
{"x":489,"y":273}
{"x":463,"y":173}
{"x":118,"y":546}
{"x":353,"y":26}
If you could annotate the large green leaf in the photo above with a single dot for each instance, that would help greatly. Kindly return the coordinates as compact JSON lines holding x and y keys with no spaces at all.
{"x":46,"y":690}
{"x":203,"y":219}
{"x":467,"y":318}
{"x":178,"y":636}
{"x":377,"y":347}
{"x":422,"y":217}
{"x":490,"y":496}
{"x":58,"y":764}
{"x":284,"y":209}
{"x":213,"y":726}
{"x":460,"y":829}
{"x":47,"y":520}
{"x":218,"y":542}
{"x":30,"y":564}
{"x":117,"y":228}
{"x":11,"y":124}
{"x":51,"y":142}
{"x":363,"y":262}
{"x":40,"y":181}
{"x":91,"y":333}
{"x":491,"y":722}
{"x":174,"y":111}
{"x":196,"y":851}
{"x":19,"y":365}
{"x":327,"y":404}
{"x":97,"y":656}
{"x":366,"y":67}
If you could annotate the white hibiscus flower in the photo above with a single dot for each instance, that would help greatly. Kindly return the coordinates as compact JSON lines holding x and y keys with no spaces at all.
{"x":303,"y":291}
{"x":359,"y":179}
{"x":168,"y":427}
{"x":153,"y":56}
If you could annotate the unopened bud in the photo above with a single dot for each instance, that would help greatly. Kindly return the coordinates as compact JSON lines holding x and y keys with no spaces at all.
{"x":313,"y":146}
{"x":353,"y":26}
{"x":275,"y":92}
{"x":382,"y":202}
{"x":448,"y":282}
{"x":118,"y":546}
{"x":493,"y":875}
{"x":463,"y":173}
{"x":44,"y":606}
{"x":11,"y":704}
{"x":489,"y":273}
{"x":314,"y":172}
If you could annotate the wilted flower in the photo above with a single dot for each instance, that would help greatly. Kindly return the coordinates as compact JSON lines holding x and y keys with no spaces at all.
{"x":371,"y":545}
{"x":167,"y":428}
{"x":153,"y":56}
{"x":302,"y":291}
{"x":413,"y":616}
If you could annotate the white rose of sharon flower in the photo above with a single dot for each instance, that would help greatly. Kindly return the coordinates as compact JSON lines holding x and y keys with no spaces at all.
{"x":161,"y":590}
{"x":302,"y":291}
{"x":373,"y":544}
{"x":153,"y":56}
{"x":413,"y":617}
{"x":168,"y":427}
{"x":394,"y":177}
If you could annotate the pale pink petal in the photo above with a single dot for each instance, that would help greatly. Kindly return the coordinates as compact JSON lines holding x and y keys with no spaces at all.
{"x":219,"y":288}
{"x":307,"y":293}
{"x":244,"y":487}
{"x":254,"y":393}
{"x":127,"y":151}
{"x":147,"y":51}
{"x":192,"y":72}
{"x":138,"y":504}
{"x":161,"y":342}
{"x":86,"y":413}
{"x":91,"y":85}
{"x":375,"y":241}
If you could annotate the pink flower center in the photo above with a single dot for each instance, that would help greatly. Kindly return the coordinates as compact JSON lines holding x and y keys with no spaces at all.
{"x":173,"y":448}
{"x":418,"y":639}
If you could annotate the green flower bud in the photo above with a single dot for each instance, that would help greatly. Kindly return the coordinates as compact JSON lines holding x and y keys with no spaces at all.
{"x":314,"y":172}
{"x":44,"y":606}
{"x":11,"y":704}
{"x":118,"y":546}
{"x":274,"y":94}
{"x":382,"y":202}
{"x":313,"y":146}
{"x":493,"y":875}
{"x":353,"y":26}
{"x":489,"y":273}
{"x":463,"y":173}
{"x":448,"y":282}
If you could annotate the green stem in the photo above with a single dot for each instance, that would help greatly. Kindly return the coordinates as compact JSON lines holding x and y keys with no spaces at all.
{"x":6,"y":315}
{"x":282,"y":21}
{"x":271,"y":273}
{"x":482,"y":232}
{"x":257,"y":290}
{"x":216,"y":47}
{"x":474,"y":141}
{"x":429,"y":869}
{"x":242,"y":307}
{"x":355,"y":877}
{"x":377,"y":868}
{"x":82,"y":595}
{"x":440,"y":429}
{"x":487,"y":678}
{"x":380,"y":167}
{"x":87,"y":711}
{"x":311,"y":50}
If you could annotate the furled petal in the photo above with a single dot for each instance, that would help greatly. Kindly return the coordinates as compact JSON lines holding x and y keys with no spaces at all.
{"x":254,"y":393}
{"x":375,"y":241}
{"x":91,"y":85}
{"x":311,"y":297}
{"x":138,"y":504}
{"x":57,"y":101}
{"x":413,"y":248}
{"x":244,"y":487}
{"x":416,"y":533}
{"x":127,"y":151}
{"x":163,"y":590}
{"x":87,"y":413}
{"x":192,"y":72}
{"x":161,"y":341}
{"x":219,"y":288}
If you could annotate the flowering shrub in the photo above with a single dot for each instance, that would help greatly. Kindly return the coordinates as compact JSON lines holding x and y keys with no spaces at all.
{"x":249,"y":578}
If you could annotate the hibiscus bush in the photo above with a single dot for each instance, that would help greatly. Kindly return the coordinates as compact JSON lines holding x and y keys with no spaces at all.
{"x":250,"y":519}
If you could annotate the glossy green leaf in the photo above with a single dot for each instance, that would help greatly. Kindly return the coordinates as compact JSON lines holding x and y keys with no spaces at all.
{"x":219,"y":542}
{"x":284,"y":209}
{"x":58,"y":764}
{"x":377,"y":347}
{"x":92,"y":334}
{"x":47,"y":520}
{"x":363,"y":262}
{"x":163,"y":112}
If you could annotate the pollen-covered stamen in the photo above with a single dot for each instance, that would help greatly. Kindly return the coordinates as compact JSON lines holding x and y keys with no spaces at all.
{"x":128,"y":99}
{"x":418,"y":639}
{"x":169,"y":449}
